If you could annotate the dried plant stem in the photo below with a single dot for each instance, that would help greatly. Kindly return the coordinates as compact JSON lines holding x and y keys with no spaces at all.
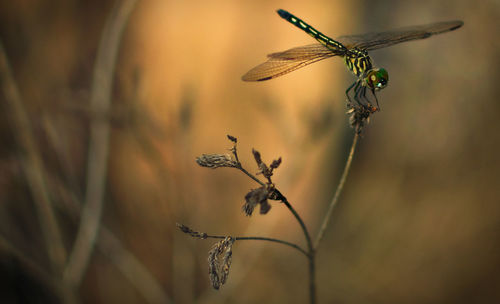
{"x":100,"y":102}
{"x":310,"y":253}
{"x":302,"y":225}
{"x":258,"y":238}
{"x":312,"y":278}
{"x":336,"y":196}
{"x":250,"y":175}
{"x":289,"y":206}
{"x":313,"y":248}
{"x":32,"y":165}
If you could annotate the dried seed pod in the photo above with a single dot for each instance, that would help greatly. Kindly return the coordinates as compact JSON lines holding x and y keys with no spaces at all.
{"x":216,"y":161}
{"x":276,"y":163}
{"x":191,"y":232}
{"x":256,"y":155}
{"x":219,"y":261}
{"x":359,"y":115}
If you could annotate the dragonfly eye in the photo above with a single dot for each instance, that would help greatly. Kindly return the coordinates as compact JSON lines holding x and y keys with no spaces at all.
{"x":377,"y":79}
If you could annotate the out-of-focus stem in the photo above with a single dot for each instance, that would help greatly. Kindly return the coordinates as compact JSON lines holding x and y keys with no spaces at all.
{"x":97,"y":161}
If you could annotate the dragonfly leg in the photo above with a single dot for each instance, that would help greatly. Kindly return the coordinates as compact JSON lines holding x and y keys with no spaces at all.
{"x":376,"y":99}
{"x":363,"y":96}
{"x":357,"y":90}
{"x":349,"y":89}
{"x":359,"y":94}
{"x":367,"y":103}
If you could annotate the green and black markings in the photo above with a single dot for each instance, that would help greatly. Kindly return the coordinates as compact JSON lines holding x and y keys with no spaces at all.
{"x":354,"y":50}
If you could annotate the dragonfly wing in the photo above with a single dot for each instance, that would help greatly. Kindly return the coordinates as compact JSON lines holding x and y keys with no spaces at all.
{"x":373,"y":41}
{"x":285,"y":62}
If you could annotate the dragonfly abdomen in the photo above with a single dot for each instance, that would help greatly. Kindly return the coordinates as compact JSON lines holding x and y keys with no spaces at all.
{"x":358,"y":62}
{"x":328,"y":42}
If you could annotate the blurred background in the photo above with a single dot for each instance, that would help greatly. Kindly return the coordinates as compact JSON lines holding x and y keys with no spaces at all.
{"x":93,"y":145}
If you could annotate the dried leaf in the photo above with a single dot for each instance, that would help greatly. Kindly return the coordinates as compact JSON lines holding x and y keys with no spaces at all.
{"x":276,"y":163}
{"x":264,"y":207}
{"x":232,"y":138}
{"x":256,"y":155}
{"x":254,"y":197}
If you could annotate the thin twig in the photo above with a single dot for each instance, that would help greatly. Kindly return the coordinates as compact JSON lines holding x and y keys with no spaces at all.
{"x":336,"y":196}
{"x":203,"y":235}
{"x":288,"y":205}
{"x":258,"y":238}
{"x":97,"y":161}
{"x":250,"y":175}
{"x":32,"y":165}
{"x":312,"y":278}
{"x":302,"y":224}
{"x":311,"y":252}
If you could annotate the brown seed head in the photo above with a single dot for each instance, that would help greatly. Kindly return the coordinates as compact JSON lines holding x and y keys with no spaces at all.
{"x":191,"y":232}
{"x":219,"y":261}
{"x":216,"y":161}
{"x":359,"y":115}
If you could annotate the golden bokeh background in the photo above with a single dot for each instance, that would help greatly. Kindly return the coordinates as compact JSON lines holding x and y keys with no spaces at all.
{"x":419,"y":218}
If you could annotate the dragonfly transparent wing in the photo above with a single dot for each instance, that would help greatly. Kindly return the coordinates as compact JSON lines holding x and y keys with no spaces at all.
{"x":373,"y":41}
{"x":287,"y":61}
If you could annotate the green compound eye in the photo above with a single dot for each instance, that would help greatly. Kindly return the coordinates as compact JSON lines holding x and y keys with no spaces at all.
{"x":377,"y":79}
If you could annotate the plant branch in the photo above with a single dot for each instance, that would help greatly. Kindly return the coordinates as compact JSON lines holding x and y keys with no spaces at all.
{"x":284,"y":200}
{"x":32,"y":165}
{"x":255,"y":238}
{"x":302,"y":224}
{"x":250,"y":174}
{"x":97,"y":161}
{"x":336,"y":196}
{"x":312,"y":278}
{"x":310,"y":253}
{"x":310,"y":249}
{"x":258,"y":238}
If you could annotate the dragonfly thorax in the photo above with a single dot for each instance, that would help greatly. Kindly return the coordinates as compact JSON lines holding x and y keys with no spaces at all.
{"x":358,"y":62}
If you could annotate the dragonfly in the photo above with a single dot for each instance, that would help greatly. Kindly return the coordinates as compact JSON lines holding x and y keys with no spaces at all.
{"x":354,"y":51}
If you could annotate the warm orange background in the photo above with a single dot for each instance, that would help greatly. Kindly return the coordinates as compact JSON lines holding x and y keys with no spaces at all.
{"x":419,"y":219}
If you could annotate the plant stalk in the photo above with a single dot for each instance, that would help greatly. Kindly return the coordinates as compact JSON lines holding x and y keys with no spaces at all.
{"x":336,"y":196}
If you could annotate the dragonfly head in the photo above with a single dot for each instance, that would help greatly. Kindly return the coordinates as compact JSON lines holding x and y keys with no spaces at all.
{"x":377,"y":79}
